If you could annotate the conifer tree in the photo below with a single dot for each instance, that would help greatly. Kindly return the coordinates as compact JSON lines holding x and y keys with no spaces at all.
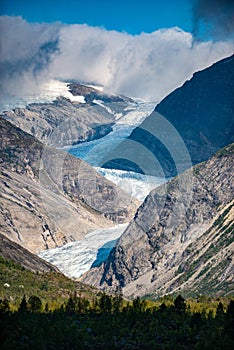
{"x":179,"y":303}
{"x":34,"y":303}
{"x":23,"y":305}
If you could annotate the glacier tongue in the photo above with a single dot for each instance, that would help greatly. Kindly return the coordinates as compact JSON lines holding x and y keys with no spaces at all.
{"x":135,"y":184}
{"x":74,"y":259}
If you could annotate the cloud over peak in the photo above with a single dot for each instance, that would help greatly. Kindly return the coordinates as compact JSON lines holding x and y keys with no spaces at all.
{"x":147,"y":65}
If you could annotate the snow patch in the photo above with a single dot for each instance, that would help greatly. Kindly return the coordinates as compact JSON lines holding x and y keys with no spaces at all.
{"x":136,"y":114}
{"x":100,"y":103}
{"x":49,"y":92}
{"x":55,"y":88}
{"x":96,"y":87}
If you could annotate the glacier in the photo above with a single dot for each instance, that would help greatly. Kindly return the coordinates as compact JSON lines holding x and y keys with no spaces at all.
{"x":135,"y":184}
{"x":75,"y":258}
{"x":94,"y":151}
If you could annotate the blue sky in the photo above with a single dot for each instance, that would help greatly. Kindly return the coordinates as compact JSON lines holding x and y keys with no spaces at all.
{"x":129,"y":16}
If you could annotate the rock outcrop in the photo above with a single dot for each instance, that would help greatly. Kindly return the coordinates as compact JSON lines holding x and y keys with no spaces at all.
{"x":49,"y":197}
{"x":181,"y":238}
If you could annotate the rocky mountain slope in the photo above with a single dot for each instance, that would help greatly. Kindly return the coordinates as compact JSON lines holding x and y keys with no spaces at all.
{"x":10,"y":250}
{"x":67,"y":121}
{"x":181,"y":238}
{"x":49,"y":197}
{"x":200,"y":114}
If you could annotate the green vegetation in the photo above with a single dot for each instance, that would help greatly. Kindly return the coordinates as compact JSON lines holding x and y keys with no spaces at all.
{"x":110,"y":323}
{"x":222,"y":236}
{"x":53,"y":287}
{"x":49,"y":311}
{"x":228,"y":150}
{"x":220,"y":220}
{"x":196,"y":169}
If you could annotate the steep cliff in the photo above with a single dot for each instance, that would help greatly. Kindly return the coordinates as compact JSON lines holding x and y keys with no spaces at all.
{"x":181,"y":238}
{"x":49,"y":197}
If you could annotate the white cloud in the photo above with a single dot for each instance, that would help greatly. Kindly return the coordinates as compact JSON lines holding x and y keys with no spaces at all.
{"x":146,"y":65}
{"x":25,"y":49}
{"x":86,"y":53}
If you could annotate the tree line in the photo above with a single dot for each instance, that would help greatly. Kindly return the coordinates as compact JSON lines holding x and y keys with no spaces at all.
{"x":110,"y":322}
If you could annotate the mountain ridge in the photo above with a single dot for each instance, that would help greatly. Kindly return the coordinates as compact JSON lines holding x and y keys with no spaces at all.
{"x":201,"y":112}
{"x":67,"y":120}
{"x":159,"y":251}
{"x":35,"y":178}
{"x":12,"y":251}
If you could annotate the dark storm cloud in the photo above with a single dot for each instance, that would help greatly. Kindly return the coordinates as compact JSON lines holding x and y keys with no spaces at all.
{"x":215,"y":18}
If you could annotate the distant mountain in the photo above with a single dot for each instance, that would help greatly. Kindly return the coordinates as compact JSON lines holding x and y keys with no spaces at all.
{"x":201,"y":112}
{"x":181,"y":238}
{"x":84,"y":113}
{"x":48,"y":197}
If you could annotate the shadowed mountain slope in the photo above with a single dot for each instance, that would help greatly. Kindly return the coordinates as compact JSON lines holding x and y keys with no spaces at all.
{"x":181,"y":238}
{"x":198,"y":116}
{"x":10,"y":250}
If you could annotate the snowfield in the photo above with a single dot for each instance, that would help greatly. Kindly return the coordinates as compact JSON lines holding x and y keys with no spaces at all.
{"x":48,"y":93}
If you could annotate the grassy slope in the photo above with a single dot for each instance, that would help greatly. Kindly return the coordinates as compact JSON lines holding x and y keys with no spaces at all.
{"x":51,"y":287}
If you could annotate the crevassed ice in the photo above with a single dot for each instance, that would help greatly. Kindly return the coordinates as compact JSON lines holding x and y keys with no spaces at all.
{"x":74,"y":259}
{"x":135,"y":184}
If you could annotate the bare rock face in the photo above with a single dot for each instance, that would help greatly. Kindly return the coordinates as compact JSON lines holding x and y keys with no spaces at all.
{"x":181,"y":238}
{"x":64,"y":122}
{"x":49,"y":198}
